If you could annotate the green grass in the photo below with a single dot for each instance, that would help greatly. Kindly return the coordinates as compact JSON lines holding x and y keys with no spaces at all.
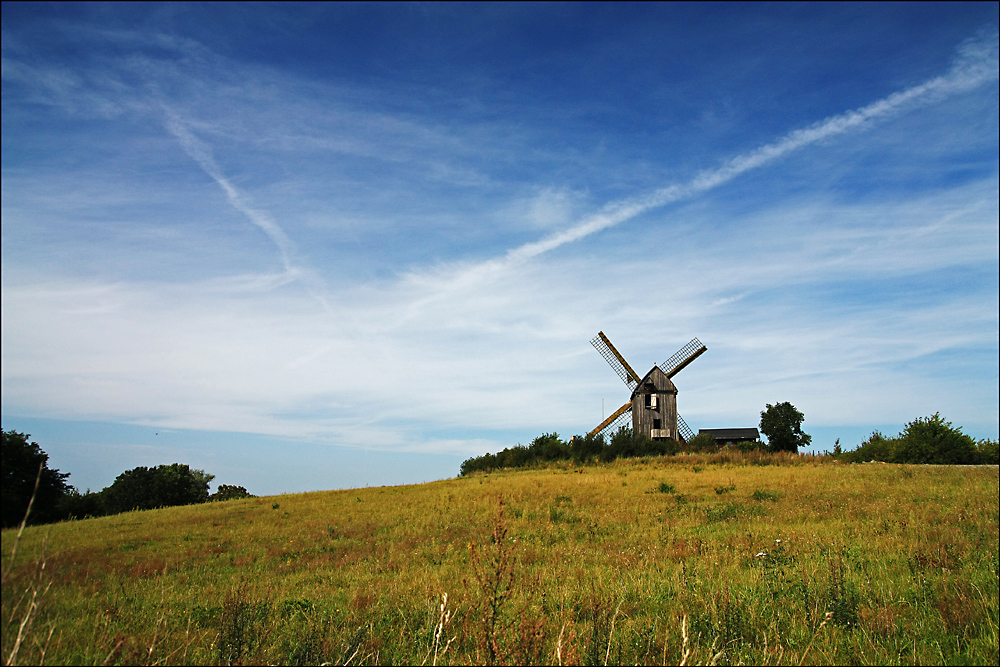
{"x":797,"y":560}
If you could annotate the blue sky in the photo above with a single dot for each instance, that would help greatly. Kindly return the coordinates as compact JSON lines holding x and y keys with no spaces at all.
{"x":308,"y":247}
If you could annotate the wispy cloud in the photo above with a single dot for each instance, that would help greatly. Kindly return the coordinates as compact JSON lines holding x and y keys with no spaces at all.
{"x":200,"y":153}
{"x":976,"y":64}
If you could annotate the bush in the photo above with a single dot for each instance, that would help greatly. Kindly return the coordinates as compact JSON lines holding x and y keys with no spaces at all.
{"x":750,"y":446}
{"x":587,"y":447}
{"x":934,"y":440}
{"x":703,"y":442}
{"x":876,"y":448}
{"x":930,"y":440}
{"x":548,"y":447}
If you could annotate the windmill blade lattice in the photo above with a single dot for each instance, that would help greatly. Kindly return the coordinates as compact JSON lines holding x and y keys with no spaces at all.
{"x":683,"y":429}
{"x":621,"y":418}
{"x":615,"y":360}
{"x":682,"y":357}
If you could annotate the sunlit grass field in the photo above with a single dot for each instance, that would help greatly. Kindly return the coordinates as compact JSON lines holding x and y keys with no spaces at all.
{"x":688,"y":559}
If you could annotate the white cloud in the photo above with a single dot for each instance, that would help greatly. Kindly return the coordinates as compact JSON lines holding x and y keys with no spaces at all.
{"x":492,"y":354}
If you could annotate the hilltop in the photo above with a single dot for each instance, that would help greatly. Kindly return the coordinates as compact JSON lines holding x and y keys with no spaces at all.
{"x":759,"y":559}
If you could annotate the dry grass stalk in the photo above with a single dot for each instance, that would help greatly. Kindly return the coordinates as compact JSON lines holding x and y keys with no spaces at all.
{"x":826,"y":619}
{"x":31,"y":611}
{"x":444,"y":618}
{"x":493,"y":569}
{"x":685,"y":650}
{"x":24,"y":521}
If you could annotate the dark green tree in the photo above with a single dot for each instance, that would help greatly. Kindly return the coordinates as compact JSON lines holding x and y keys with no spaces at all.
{"x":549,"y":447}
{"x":989,"y":451}
{"x":163,"y":486}
{"x":934,"y":440}
{"x":76,"y":505}
{"x":782,"y":424}
{"x":20,"y":462}
{"x":230,"y":492}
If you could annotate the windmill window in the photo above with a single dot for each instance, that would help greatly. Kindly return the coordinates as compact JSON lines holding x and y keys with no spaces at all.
{"x":657,"y":424}
{"x":650,"y":401}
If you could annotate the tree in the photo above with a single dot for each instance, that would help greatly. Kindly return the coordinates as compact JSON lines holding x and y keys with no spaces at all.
{"x":549,"y":447}
{"x":782,"y":424}
{"x":230,"y":492}
{"x":587,"y":447}
{"x":163,"y":486}
{"x":934,"y":440}
{"x":989,"y":452}
{"x":21,"y":460}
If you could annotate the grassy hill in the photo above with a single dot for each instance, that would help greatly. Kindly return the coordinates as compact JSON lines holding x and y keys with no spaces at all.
{"x":756,"y":559}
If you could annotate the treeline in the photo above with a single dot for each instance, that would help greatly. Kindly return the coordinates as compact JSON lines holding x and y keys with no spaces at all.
{"x":28,"y":479}
{"x":931,"y":440}
{"x":549,"y":447}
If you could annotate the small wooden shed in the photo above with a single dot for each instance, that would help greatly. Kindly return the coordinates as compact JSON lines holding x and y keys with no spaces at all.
{"x":725,"y":437}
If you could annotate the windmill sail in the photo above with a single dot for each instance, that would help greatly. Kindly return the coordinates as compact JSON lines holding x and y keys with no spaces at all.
{"x":683,"y":429}
{"x":615,"y":360}
{"x":682,"y":357}
{"x":621,"y":417}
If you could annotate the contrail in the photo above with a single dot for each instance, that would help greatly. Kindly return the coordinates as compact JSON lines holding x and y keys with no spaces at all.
{"x":201,"y":154}
{"x":975,"y":65}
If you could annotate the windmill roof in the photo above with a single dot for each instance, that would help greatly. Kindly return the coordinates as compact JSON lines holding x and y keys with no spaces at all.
{"x":658,"y":378}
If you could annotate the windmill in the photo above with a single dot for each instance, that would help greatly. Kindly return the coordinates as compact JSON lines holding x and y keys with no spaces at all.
{"x":653,"y":404}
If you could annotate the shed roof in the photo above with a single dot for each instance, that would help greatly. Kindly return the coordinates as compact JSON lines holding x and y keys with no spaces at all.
{"x":731,"y":433}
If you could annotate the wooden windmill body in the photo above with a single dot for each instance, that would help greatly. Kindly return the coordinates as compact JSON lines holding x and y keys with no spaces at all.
{"x":653,"y":403}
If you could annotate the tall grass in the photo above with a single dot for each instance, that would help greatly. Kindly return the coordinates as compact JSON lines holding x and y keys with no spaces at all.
{"x":800,"y":560}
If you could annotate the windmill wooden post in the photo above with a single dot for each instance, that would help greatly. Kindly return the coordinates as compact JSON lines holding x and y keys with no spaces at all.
{"x":653,"y":403}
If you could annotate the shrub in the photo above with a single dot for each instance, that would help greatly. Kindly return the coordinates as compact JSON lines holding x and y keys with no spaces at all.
{"x":588,"y":447}
{"x":548,"y":447}
{"x":930,"y":440}
{"x":703,"y":442}
{"x":934,"y":440}
{"x":876,"y":448}
{"x":750,"y":446}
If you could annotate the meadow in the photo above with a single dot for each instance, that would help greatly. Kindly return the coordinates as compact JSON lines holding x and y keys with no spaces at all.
{"x":720,"y":559}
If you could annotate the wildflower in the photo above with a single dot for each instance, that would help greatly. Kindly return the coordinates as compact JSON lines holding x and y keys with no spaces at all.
{"x":761,"y":554}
